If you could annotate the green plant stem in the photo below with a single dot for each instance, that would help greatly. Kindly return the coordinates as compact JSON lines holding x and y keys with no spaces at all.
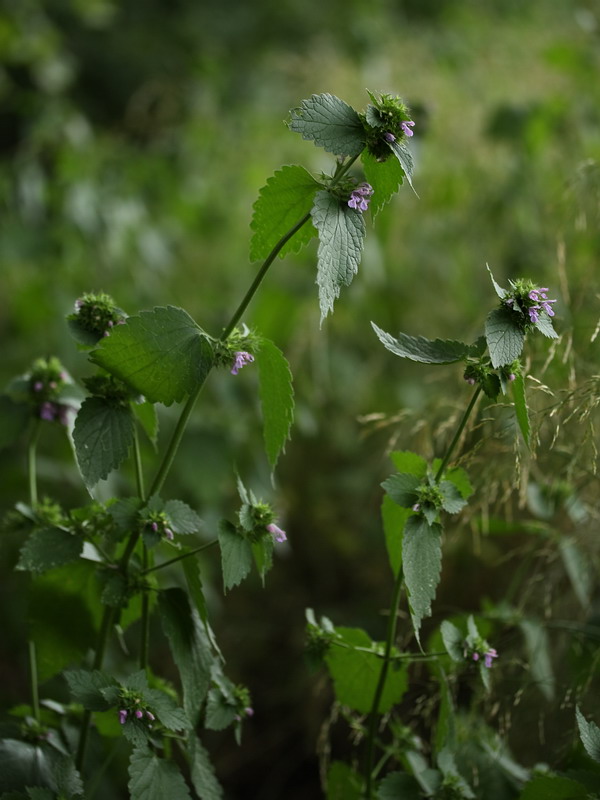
{"x":33,"y":681}
{"x":145,"y":621}
{"x":137,"y":460}
{"x":374,"y":713}
{"x":457,"y":435}
{"x":181,"y":557}
{"x":31,"y":463}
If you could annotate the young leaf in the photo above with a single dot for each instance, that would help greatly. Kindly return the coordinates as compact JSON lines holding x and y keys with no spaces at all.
{"x":504,"y":336}
{"x":384,"y":176}
{"x":125,"y":513}
{"x":236,"y":555}
{"x":458,"y":477}
{"x":48,"y":548}
{"x":202,"y":772}
{"x":590,"y":736}
{"x":452,"y":501}
{"x":276,"y":397}
{"x":161,"y":353}
{"x":422,"y":564}
{"x":153,"y":778}
{"x":287,"y":197}
{"x":103,"y":436}
{"x":404,"y":156}
{"x":394,"y":519}
{"x":426,"y":351}
{"x":521,"y":410}
{"x":341,"y":233}
{"x":86,"y":688}
{"x":330,"y":123}
{"x":402,"y":488}
{"x":497,"y":288}
{"x":453,"y":640}
{"x":182,"y":518}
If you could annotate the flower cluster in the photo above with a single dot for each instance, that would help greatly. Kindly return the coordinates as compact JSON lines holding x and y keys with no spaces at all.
{"x":158,"y":524}
{"x":96,"y":314}
{"x":488,"y":655}
{"x":528,"y":299}
{"x":241,"y":358}
{"x":278,"y":534}
{"x":360,"y":197}
{"x":406,"y":127}
{"x":138,"y":713}
{"x":540,"y":298}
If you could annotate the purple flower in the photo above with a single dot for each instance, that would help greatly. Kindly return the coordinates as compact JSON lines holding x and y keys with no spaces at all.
{"x":150,"y":716}
{"x":359,"y":197}
{"x":278,"y":534}
{"x":540,"y":296}
{"x":512,"y":376}
{"x":406,"y":127}
{"x":241,"y":359}
{"x":154,"y":527}
{"x":249,"y":711}
{"x":389,"y":137}
{"x":38,"y":386}
{"x":139,"y":713}
{"x":533,"y":313}
{"x":475,"y":656}
{"x":169,"y":534}
{"x":123,"y":716}
{"x":488,"y":656}
{"x":48,"y":411}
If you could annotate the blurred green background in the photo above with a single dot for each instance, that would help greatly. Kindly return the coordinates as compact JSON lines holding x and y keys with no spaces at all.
{"x":134,"y":137}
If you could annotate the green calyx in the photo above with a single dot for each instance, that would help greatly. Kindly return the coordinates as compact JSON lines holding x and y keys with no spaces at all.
{"x":384,"y":117}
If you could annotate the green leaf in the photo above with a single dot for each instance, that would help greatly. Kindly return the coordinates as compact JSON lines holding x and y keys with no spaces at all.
{"x":449,"y":770}
{"x":422,"y":564}
{"x":40,"y":768}
{"x":190,"y":648}
{"x":220,"y":713}
{"x":125,"y":513}
{"x":590,"y":736}
{"x":166,"y":709}
{"x":161,"y":353}
{"x":394,"y":519}
{"x":452,"y":499}
{"x":86,"y":688}
{"x":544,"y":326}
{"x":287,"y":197}
{"x":426,"y":351}
{"x":521,"y":410}
{"x":48,"y":548}
{"x":236,"y":555}
{"x":343,"y":783}
{"x":153,"y":778}
{"x":355,"y":673}
{"x":538,"y":652}
{"x":459,"y":478}
{"x":497,"y":288}
{"x":579,"y":569}
{"x":330,"y":123}
{"x":262,"y":552}
{"x":384,"y":176}
{"x":402,"y":488}
{"x":341,"y":233}
{"x":406,"y":461}
{"x":276,"y":397}
{"x":454,"y":641}
{"x":148,"y":418}
{"x":504,"y":336}
{"x":554,"y":787}
{"x":103,"y":436}
{"x":404,"y":156}
{"x":202,"y":772}
{"x":182,"y":518}
{"x":14,"y":418}
{"x":399,"y":785}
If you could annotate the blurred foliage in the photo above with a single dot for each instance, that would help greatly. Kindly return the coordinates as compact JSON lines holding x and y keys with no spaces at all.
{"x":134,"y":138}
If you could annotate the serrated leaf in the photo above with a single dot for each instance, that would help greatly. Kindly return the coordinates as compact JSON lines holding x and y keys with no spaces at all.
{"x":285,"y":200}
{"x":190,"y":648}
{"x":162,"y":354}
{"x":521,"y":410}
{"x":202,"y":772}
{"x":399,"y":785}
{"x":404,"y":156}
{"x":236,"y":555}
{"x":355,"y":673}
{"x":497,"y":288}
{"x":453,"y":640}
{"x":425,"y":351}
{"x":220,"y":713}
{"x":330,"y":123}
{"x":262,"y":552}
{"x":394,"y":519}
{"x":48,"y":548}
{"x":384,"y":176}
{"x":538,"y":653}
{"x":544,"y":325}
{"x":590,"y":736}
{"x":276,"y":397}
{"x":86,"y":688}
{"x":460,"y":479}
{"x":402,"y":488}
{"x":153,"y":778}
{"x":422,"y":564}
{"x":22,"y":764}
{"x":452,"y":499}
{"x":407,"y":461}
{"x":125,"y":513}
{"x":341,"y":234}
{"x":554,"y":787}
{"x":103,"y":436}
{"x":504,"y":336}
{"x":182,"y":518}
{"x":449,"y":770}
{"x":148,"y":418}
{"x":166,"y":709}
{"x":343,"y":783}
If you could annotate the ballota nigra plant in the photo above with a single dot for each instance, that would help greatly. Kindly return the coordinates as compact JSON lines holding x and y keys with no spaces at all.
{"x":104,"y":561}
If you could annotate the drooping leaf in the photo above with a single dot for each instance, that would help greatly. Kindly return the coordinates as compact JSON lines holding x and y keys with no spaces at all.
{"x":426,"y":351}
{"x":504,"y":336}
{"x":343,"y":783}
{"x":220,"y":713}
{"x":148,"y":418}
{"x":86,"y":688}
{"x":402,"y":488}
{"x":286,"y":199}
{"x":538,"y":652}
{"x":330,"y":123}
{"x":399,"y":785}
{"x":521,"y":410}
{"x":153,"y":778}
{"x":182,"y":518}
{"x":236,"y":555}
{"x":341,"y":234}
{"x":355,"y":673}
{"x":422,"y":564}
{"x":202,"y":772}
{"x":454,"y":641}
{"x":48,"y":548}
{"x":394,"y":519}
{"x":404,"y":156}
{"x":384,"y":176}
{"x":103,"y":436}
{"x":276,"y":397}
{"x":590,"y":736}
{"x":162,"y":354}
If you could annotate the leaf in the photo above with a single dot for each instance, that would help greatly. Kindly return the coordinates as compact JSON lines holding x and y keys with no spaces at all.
{"x":330,"y":123}
{"x":554,"y":787}
{"x":449,"y":770}
{"x":153,"y":778}
{"x":125,"y":513}
{"x":544,"y":326}
{"x":262,"y":552}
{"x":14,"y":418}
{"x":355,"y":673}
{"x":190,"y":648}
{"x":452,"y":499}
{"x":236,"y":555}
{"x":422,"y":564}
{"x":219,"y":712}
{"x":504,"y":336}
{"x":579,"y":569}
{"x":459,"y":478}
{"x":146,"y":414}
{"x":404,"y":156}
{"x":276,"y":397}
{"x":341,"y":233}
{"x":22,"y":764}
{"x":497,"y":288}
{"x":384,"y":176}
{"x":399,"y":785}
{"x":161,"y":353}
{"x":521,"y":410}
{"x":406,"y":461}
{"x":86,"y":688}
{"x":538,"y":652}
{"x":454,"y":641}
{"x":182,"y":518}
{"x":166,"y":709}
{"x":202,"y":771}
{"x":342,"y":782}
{"x":426,"y":351}
{"x":590,"y":736}
{"x":103,"y":436}
{"x":394,"y":519}
{"x":286,"y":199}
{"x":402,"y":488}
{"x":48,"y":548}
